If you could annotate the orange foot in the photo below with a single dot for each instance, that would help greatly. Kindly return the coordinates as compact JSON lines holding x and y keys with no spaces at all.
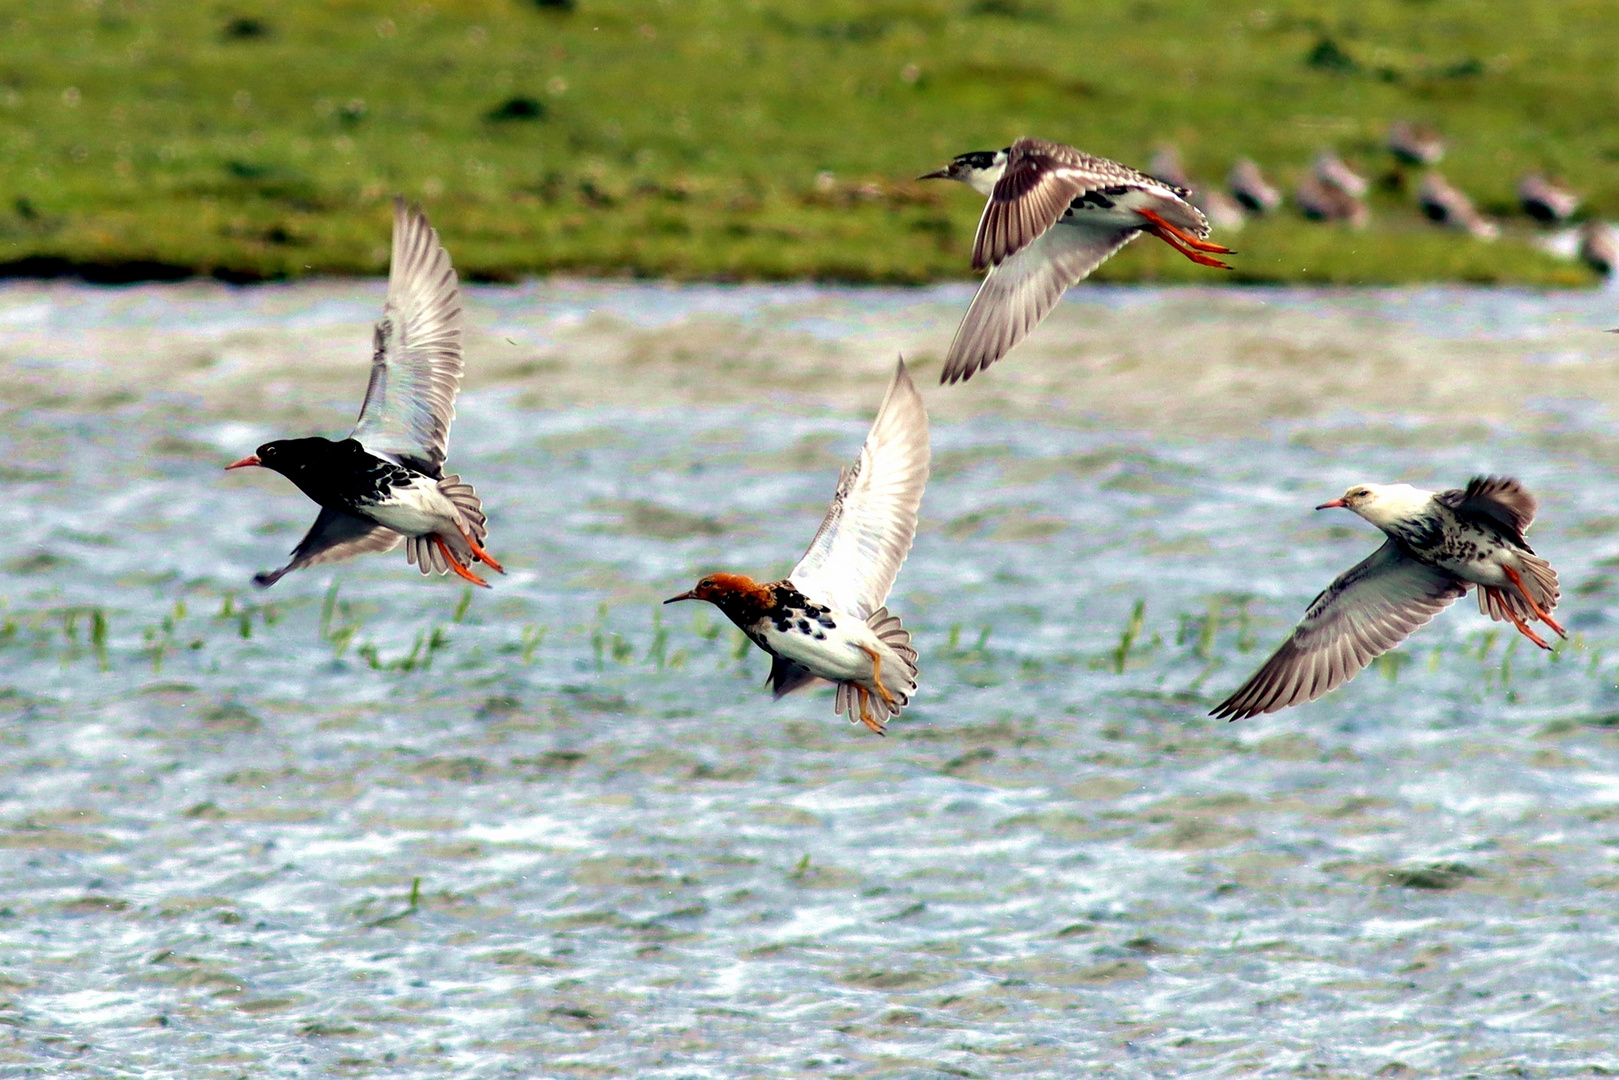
{"x":455,"y":564}
{"x":1539,"y":614}
{"x":479,"y":553}
{"x":865,"y":711}
{"x":1185,"y":242}
{"x":1519,"y":623}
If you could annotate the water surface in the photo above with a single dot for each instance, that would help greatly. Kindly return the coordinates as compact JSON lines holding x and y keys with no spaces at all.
{"x":626,"y":860}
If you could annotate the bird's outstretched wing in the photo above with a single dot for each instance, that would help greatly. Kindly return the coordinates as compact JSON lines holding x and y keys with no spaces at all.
{"x":416,"y":362}
{"x":1499,"y":501}
{"x":1371,"y":608}
{"x":334,"y":536}
{"x":1020,"y":292}
{"x":856,"y":554}
{"x":1040,"y":181}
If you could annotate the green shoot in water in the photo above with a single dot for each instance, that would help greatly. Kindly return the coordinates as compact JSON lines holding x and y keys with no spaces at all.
{"x":462,"y":607}
{"x":533,"y":638}
{"x":1127,"y":640}
{"x":98,"y":639}
{"x":657,"y":652}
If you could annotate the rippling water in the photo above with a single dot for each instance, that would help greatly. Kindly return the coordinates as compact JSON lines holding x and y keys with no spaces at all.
{"x":366,"y":824}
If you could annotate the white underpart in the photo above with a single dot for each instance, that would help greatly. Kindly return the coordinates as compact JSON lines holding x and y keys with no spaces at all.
{"x":1391,"y":503}
{"x":417,"y":509}
{"x":1124,"y":213}
{"x":842,"y":655}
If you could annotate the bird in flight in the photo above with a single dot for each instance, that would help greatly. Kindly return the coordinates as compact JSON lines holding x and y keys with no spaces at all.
{"x":1054,"y":215}
{"x":385,"y":482}
{"x":827,"y":619}
{"x":1439,"y":546}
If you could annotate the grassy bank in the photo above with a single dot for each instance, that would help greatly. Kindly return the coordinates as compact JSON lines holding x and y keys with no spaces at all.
{"x":771,"y":139}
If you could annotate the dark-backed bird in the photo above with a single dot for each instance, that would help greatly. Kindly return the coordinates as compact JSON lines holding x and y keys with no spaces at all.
{"x":1445,"y":204}
{"x":1598,"y":247}
{"x":1320,"y":201}
{"x":1439,"y":546}
{"x":1546,"y":200}
{"x":1416,"y":144}
{"x":1054,"y":215}
{"x":385,"y":483}
{"x":827,"y":619}
{"x":1332,"y":170}
{"x":1250,"y":188}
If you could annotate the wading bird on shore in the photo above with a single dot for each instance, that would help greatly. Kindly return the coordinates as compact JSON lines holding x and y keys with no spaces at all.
{"x":1445,"y":204}
{"x":385,"y":482}
{"x":1439,"y":546}
{"x":1054,"y":215}
{"x":827,"y":619}
{"x":1546,"y":200}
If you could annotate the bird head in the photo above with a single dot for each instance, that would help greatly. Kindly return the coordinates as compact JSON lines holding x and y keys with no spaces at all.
{"x":1381,"y":504}
{"x":287,"y":456}
{"x":727,"y":590}
{"x":978,"y":170}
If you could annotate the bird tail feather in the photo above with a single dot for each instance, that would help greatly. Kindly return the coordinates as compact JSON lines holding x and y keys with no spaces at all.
{"x":900,"y":684}
{"x":422,"y":552}
{"x":1538,"y":577}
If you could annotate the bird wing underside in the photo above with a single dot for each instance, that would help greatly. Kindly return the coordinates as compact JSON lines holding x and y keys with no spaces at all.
{"x":1020,"y":292}
{"x":787,"y":675}
{"x":867,"y":532}
{"x":334,"y":536}
{"x":1371,"y":608}
{"x":416,"y":361}
{"x":1497,"y":501}
{"x":1040,"y":181}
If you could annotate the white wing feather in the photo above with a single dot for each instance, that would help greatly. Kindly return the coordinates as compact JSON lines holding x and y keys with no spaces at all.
{"x":416,"y":364}
{"x":857,"y":552}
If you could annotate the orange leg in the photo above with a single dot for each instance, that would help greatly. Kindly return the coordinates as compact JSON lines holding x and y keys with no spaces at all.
{"x":877,"y":677}
{"x":1519,"y":623}
{"x":455,"y":564}
{"x":1186,"y":238}
{"x":1530,"y":600}
{"x":1201,"y":260}
{"x":479,"y":553}
{"x":865,"y":711}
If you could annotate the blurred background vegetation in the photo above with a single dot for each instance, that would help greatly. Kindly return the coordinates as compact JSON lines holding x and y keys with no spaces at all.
{"x":761,"y":139}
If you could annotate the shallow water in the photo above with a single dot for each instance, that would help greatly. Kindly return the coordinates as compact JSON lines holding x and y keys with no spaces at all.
{"x":628,"y":861}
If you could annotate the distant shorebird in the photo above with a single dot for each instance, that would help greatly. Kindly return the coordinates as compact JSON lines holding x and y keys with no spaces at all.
{"x":1598,"y":247}
{"x":1416,"y":144}
{"x":1545,"y":199}
{"x":385,"y":482}
{"x":1326,"y":202}
{"x":1331,"y":170}
{"x":827,"y":619}
{"x":1054,"y":215}
{"x":1439,"y":546}
{"x":1447,"y":205}
{"x":1251,"y":189}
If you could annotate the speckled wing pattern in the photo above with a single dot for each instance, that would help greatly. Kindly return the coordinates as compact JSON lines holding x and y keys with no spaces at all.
{"x":1497,"y":501}
{"x":857,"y":552}
{"x":334,"y":536}
{"x":1021,"y":292}
{"x":1041,"y":180}
{"x":416,"y":362}
{"x":1366,"y":612}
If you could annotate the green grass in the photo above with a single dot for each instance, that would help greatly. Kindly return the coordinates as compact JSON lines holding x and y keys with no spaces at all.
{"x":756,"y":140}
